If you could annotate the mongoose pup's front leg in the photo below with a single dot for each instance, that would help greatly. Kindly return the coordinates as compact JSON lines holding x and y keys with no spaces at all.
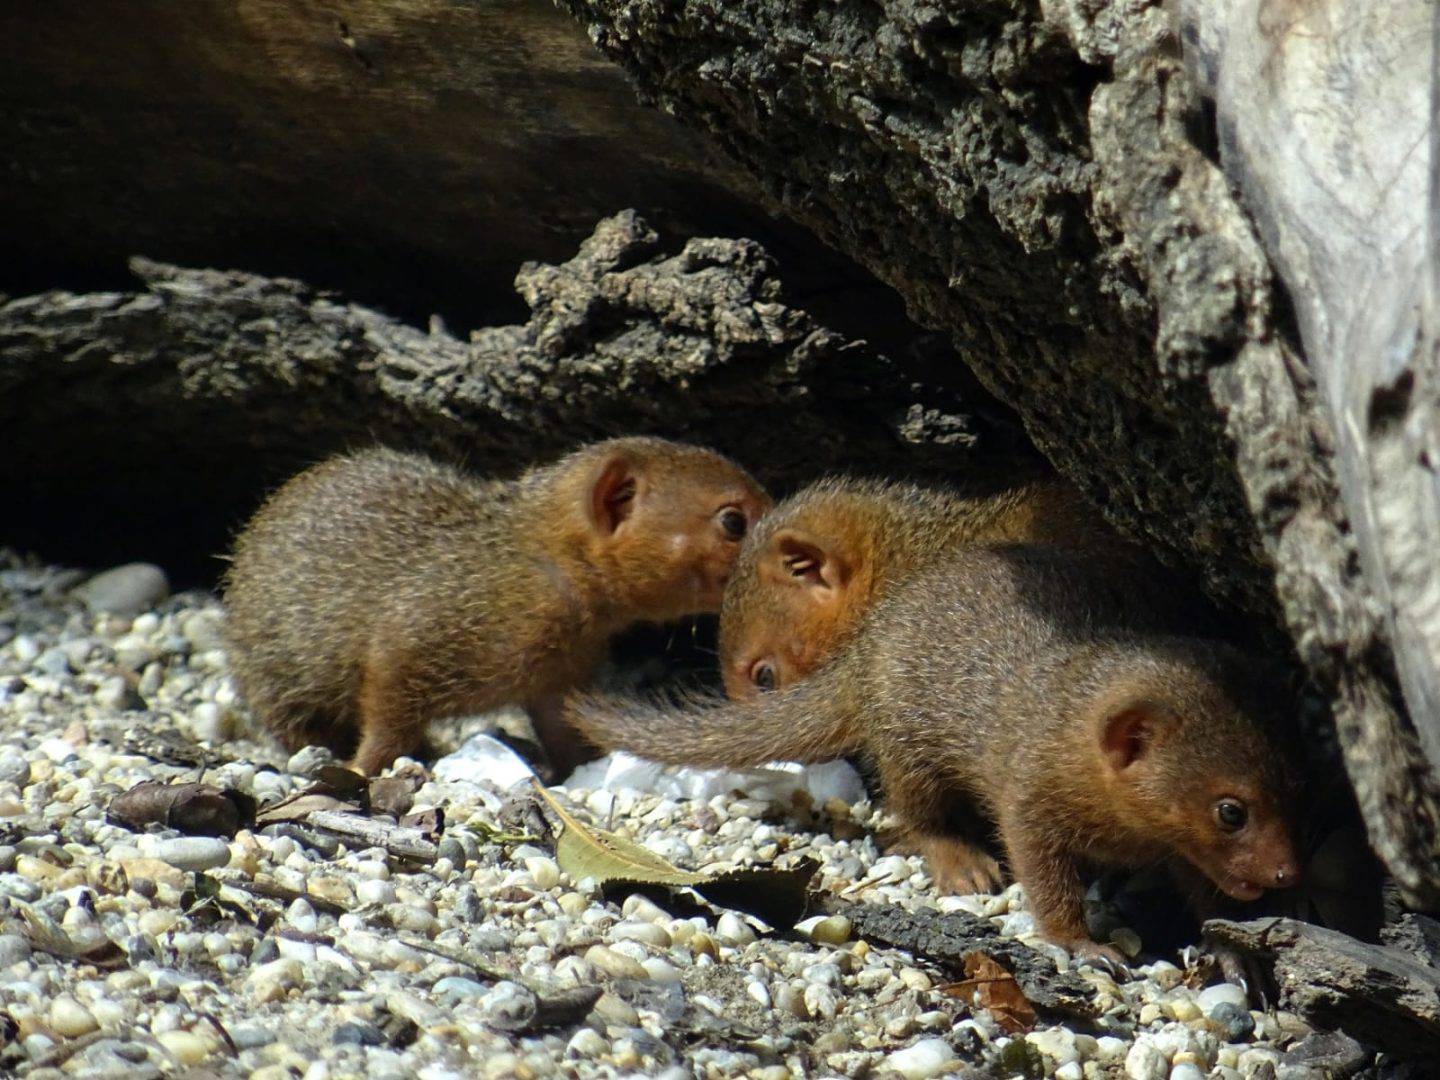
{"x":380,"y":590}
{"x":1009,"y":676}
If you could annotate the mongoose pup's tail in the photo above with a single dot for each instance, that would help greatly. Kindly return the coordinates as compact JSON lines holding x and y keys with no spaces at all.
{"x":815,"y":720}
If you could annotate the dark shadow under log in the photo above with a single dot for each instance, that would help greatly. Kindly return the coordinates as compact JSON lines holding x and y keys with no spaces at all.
{"x":147,"y":424}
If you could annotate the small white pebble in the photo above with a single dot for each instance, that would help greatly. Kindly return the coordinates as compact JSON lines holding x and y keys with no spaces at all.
{"x":733,"y":930}
{"x":614,"y":963}
{"x":71,"y":1019}
{"x":1220,"y":993}
{"x":587,"y":1043}
{"x":922,"y":1060}
{"x":1146,"y":1062}
{"x":187,"y":1047}
{"x":544,"y":872}
{"x":375,"y":891}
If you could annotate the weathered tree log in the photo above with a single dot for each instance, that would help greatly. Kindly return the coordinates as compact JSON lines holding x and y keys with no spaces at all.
{"x":1326,"y":126}
{"x":1040,"y":182}
{"x":1375,"y":993}
{"x":243,"y":379}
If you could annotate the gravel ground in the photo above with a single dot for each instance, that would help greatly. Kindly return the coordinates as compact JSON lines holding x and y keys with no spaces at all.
{"x":84,"y":665}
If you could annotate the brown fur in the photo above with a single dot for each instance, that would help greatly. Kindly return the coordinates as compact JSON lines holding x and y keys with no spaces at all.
{"x":821,"y":558}
{"x":1008,"y":676}
{"x":380,"y":590}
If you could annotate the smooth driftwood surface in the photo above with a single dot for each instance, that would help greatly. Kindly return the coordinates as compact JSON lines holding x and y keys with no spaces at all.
{"x":218,"y":385}
{"x":1326,"y":125}
{"x":1377,"y":994}
{"x":1040,"y":181}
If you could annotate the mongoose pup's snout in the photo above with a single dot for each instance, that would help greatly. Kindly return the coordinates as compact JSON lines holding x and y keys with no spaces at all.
{"x":1185,"y":738}
{"x":381,"y":590}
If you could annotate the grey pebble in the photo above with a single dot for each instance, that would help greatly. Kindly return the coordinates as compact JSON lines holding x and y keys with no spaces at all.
{"x":125,"y":590}
{"x":467,"y":904}
{"x":1332,"y":1052}
{"x":14,"y":769}
{"x":358,"y":1033}
{"x":54,"y":662}
{"x":133,"y":1052}
{"x":13,"y":949}
{"x":1235,"y":1020}
{"x":251,"y":1036}
{"x":134,"y":653}
{"x":117,"y":694}
{"x":268,"y":949}
{"x":205,"y":630}
{"x":193,"y":852}
{"x":508,"y":1005}
{"x":451,"y":848}
{"x":308,"y":759}
{"x":7,"y":858}
{"x":458,"y":988}
{"x":20,"y":888}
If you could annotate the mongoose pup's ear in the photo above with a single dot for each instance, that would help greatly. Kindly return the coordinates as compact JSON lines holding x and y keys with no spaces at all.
{"x":613,"y":494}
{"x":798,"y":559}
{"x":1129,"y":733}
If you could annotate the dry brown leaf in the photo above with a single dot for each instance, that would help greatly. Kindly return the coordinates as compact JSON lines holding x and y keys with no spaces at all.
{"x":393,"y":795}
{"x":995,"y":990}
{"x":197,"y":809}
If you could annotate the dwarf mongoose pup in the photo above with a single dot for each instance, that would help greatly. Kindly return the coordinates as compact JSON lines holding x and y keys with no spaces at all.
{"x":1003,"y":677}
{"x":823,"y":556}
{"x":381,"y":590}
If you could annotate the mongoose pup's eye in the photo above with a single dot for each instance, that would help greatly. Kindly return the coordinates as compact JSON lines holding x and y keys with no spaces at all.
{"x":1230,"y":814}
{"x":763,"y":676}
{"x":733,"y":522}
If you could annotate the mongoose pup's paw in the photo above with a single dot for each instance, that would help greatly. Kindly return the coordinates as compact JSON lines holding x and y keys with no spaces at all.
{"x":1106,"y":957}
{"x":957,"y":865}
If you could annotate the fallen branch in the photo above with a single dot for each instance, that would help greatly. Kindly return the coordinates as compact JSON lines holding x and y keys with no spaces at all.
{"x":948,"y":939}
{"x":398,"y":840}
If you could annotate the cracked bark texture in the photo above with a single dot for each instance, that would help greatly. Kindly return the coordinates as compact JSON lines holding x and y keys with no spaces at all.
{"x":214,"y":385}
{"x":1043,"y":182}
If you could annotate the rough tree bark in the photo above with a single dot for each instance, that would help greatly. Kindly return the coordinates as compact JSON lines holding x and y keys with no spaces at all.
{"x":1327,"y":126}
{"x":1040,"y":181}
{"x":242,"y":379}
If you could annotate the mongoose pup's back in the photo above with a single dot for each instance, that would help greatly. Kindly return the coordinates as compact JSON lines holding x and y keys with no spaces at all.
{"x":1005,"y":677}
{"x":811,"y":570}
{"x":381,"y":590}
